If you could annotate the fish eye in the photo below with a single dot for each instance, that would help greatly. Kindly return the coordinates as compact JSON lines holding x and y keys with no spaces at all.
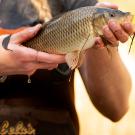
{"x":112,"y":15}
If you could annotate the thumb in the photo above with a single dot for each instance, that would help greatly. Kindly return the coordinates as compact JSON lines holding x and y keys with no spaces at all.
{"x":25,"y":34}
{"x":98,"y":43}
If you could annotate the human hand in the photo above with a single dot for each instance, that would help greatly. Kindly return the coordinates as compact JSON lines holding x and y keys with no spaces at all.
{"x":23,"y":60}
{"x":115,"y":32}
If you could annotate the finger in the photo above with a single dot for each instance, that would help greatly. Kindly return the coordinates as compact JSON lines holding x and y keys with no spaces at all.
{"x":107,"y":4}
{"x":33,"y":66}
{"x":117,"y":30}
{"x":45,"y":66}
{"x":30,"y":67}
{"x":23,"y":53}
{"x":25,"y":34}
{"x":30,"y":55}
{"x":128,"y":27}
{"x":98,"y":43}
{"x":109,"y":36}
{"x":50,"y":58}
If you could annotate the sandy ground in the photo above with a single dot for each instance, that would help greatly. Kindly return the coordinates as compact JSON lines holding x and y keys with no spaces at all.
{"x":91,"y":121}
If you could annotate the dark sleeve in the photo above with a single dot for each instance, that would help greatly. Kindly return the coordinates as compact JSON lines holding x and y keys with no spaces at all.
{"x":73,"y":4}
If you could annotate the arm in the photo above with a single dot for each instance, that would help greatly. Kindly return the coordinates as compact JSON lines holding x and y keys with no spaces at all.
{"x":23,"y":60}
{"x":106,"y":79}
{"x":107,"y":82}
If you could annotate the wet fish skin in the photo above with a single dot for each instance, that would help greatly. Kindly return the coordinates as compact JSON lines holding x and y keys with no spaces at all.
{"x":74,"y":32}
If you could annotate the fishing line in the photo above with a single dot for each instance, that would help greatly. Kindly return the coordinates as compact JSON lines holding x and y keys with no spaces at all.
{"x":132,"y":39}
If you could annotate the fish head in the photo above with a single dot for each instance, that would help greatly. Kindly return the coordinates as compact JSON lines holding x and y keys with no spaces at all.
{"x":103,"y":15}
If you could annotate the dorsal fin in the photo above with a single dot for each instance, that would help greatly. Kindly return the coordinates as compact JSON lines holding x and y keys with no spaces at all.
{"x":53,"y":20}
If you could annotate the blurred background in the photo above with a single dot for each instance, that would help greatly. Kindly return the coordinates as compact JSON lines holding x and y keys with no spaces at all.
{"x":91,"y":121}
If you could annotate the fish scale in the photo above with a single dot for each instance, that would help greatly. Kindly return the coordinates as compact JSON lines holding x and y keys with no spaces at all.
{"x":74,"y":32}
{"x":59,"y":36}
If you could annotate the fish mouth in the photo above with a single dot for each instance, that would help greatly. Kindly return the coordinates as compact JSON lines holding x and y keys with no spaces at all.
{"x":128,"y":17}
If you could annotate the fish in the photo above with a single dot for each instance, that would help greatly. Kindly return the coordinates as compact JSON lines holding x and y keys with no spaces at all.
{"x":73,"y":32}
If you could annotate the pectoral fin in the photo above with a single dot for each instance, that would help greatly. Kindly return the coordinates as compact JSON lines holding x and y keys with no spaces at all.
{"x":74,"y":59}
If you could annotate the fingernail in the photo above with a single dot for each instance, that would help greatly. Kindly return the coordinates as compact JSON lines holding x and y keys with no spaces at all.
{"x":99,"y":44}
{"x":112,"y":24}
{"x":105,"y":28}
{"x":38,"y":26}
{"x":32,"y":30}
{"x":127,"y":25}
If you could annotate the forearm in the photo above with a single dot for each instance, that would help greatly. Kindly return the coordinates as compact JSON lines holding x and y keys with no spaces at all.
{"x":107,"y":82}
{"x":23,"y":60}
